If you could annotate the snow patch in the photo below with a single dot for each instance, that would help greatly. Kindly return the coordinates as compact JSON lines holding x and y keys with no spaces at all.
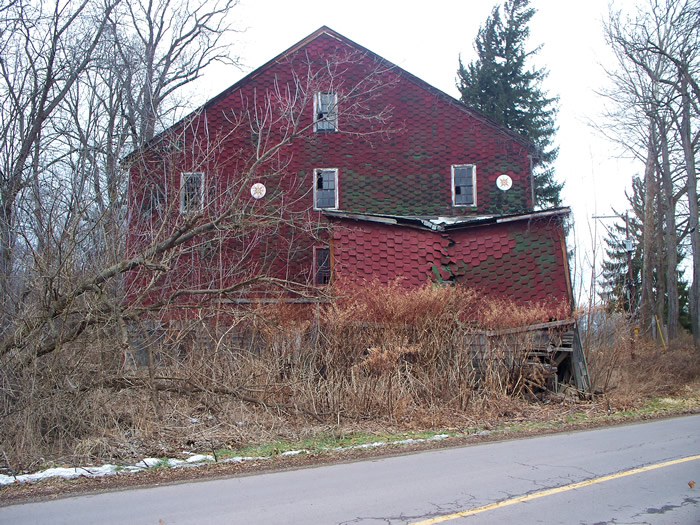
{"x":192,"y":461}
{"x":200,"y":458}
{"x":293,"y":452}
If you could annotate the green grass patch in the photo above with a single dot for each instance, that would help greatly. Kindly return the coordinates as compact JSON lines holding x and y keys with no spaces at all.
{"x":324,"y":442}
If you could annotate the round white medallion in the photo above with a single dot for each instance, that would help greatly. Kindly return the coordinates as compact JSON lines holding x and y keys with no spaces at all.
{"x":504,"y":182}
{"x":258,"y":190}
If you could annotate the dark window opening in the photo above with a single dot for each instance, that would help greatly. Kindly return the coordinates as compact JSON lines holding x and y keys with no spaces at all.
{"x":191,"y":192}
{"x":153,"y":200}
{"x":323,"y":266}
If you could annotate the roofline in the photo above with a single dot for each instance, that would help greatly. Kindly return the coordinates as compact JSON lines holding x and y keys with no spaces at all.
{"x":325,"y":30}
{"x":436,"y":224}
{"x":418,"y":81}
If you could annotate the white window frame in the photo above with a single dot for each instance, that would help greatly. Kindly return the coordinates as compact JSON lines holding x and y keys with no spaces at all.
{"x":454,"y":192}
{"x":317,"y":171}
{"x":323,"y":123}
{"x":184,"y":176}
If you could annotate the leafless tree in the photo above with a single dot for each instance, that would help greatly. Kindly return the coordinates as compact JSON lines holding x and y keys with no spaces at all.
{"x":163,"y":238}
{"x":652,"y":114}
{"x":162,"y":46}
{"x":46,"y":47}
{"x":83,"y":83}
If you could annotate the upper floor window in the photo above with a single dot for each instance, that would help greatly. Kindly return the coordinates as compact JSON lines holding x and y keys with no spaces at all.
{"x":191,"y":192}
{"x":326,"y":111}
{"x":325,"y":189}
{"x":463,"y":185}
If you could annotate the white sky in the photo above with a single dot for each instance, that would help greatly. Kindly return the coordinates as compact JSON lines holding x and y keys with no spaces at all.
{"x":427,"y":38}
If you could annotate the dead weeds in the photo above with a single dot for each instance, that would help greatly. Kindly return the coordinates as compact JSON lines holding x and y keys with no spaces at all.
{"x":381,"y":362}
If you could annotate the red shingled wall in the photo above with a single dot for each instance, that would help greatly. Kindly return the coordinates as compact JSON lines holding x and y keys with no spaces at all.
{"x":523,"y":260}
{"x":405,"y":172}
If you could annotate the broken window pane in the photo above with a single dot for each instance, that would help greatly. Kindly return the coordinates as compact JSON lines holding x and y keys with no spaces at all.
{"x":463,"y":185}
{"x":326,"y":111}
{"x":325,"y":188}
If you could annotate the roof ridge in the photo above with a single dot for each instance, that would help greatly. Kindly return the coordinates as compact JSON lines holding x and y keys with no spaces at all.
{"x":325,"y":30}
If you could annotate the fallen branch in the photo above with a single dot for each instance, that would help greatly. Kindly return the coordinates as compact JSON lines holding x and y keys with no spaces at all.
{"x":185,"y":386}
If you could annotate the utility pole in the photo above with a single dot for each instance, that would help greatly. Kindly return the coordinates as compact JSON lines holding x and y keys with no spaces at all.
{"x":629,"y":249}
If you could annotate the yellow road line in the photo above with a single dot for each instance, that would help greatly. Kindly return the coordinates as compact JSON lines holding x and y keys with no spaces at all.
{"x":549,"y":492}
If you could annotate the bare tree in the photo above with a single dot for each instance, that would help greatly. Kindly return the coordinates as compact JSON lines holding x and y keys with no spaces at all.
{"x":161,"y":47}
{"x":83,"y":83}
{"x":222,"y":234}
{"x":648,"y":117}
{"x":46,"y":47}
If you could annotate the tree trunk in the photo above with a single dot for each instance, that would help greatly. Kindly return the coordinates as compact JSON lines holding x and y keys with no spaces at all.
{"x":669,"y":260}
{"x":689,"y":155}
{"x":646,"y":308}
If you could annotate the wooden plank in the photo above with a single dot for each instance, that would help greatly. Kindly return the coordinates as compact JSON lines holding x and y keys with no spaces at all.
{"x":528,"y":328}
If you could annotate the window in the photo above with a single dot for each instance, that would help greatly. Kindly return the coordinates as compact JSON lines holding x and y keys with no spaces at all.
{"x":325,"y":189}
{"x":153,"y":200}
{"x":326,"y":111}
{"x":191,"y":192}
{"x":322,"y":266}
{"x":463,"y":185}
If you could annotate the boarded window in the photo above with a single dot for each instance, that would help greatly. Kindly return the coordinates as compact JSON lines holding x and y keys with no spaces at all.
{"x":463,"y":185}
{"x":325,"y":189}
{"x":191,"y":192}
{"x":322,"y":270}
{"x":326,"y":111}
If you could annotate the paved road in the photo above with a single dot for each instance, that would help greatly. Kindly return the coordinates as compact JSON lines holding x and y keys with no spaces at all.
{"x":515,"y":477}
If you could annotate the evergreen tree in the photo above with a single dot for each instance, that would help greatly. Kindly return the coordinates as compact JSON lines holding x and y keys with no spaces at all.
{"x":621,"y":285}
{"x":499,"y":85}
{"x":622,"y":267}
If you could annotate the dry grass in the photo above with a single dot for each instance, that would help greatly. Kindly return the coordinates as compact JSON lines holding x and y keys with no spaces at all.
{"x":381,"y":358}
{"x":626,"y":368}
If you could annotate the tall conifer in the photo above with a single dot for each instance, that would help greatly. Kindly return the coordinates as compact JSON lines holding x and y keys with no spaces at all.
{"x":499,"y":84}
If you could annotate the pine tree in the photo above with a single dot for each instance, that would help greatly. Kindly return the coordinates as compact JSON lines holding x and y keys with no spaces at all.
{"x":621,"y":285}
{"x":622,"y":267}
{"x":499,"y":85}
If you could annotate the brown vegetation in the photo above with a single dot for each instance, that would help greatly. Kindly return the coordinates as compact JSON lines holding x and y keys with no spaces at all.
{"x":383,"y":357}
{"x":627,"y":368}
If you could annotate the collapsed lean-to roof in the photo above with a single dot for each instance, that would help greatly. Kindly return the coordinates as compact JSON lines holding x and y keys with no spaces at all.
{"x":448,"y":223}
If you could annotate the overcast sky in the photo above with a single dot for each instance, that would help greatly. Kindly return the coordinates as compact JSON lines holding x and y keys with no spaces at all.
{"x":427,"y":38}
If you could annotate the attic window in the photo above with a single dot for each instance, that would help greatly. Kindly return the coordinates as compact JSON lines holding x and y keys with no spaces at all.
{"x":191,"y":192}
{"x":326,"y":111}
{"x":325,"y":189}
{"x":322,"y":266}
{"x":463,"y":185}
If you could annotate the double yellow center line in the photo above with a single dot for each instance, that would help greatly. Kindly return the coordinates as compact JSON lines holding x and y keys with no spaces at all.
{"x":549,"y":492}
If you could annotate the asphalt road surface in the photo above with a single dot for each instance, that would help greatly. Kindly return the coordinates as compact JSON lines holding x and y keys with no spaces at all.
{"x":628,"y":474}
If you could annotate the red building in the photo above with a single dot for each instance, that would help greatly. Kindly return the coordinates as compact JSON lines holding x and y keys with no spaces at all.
{"x":329,"y":163}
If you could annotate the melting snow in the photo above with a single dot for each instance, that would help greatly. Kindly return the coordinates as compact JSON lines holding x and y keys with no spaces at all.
{"x":192,"y":460}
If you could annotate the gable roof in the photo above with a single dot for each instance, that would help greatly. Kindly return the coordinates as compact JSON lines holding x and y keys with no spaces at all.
{"x":326,"y":31}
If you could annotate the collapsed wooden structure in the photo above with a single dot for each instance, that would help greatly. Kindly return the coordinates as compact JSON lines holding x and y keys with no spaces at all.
{"x":545,"y":356}
{"x":552,"y":351}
